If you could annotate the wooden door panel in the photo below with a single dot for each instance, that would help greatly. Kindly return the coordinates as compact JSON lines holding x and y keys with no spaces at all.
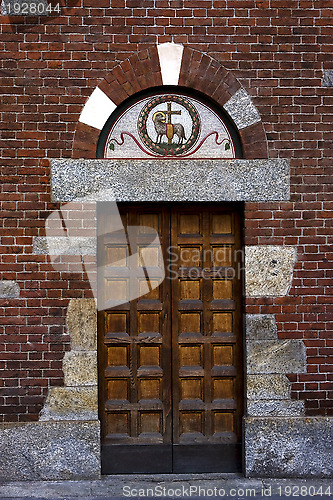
{"x":170,"y":360}
{"x":206,"y":375}
{"x":135,"y":354}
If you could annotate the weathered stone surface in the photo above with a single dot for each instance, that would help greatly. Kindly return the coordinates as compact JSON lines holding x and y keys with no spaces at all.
{"x":268,"y":387}
{"x":171,"y":180}
{"x":327,"y":78}
{"x":82,"y":324}
{"x":111,"y":487}
{"x":260,"y":327}
{"x":49,"y":450}
{"x":80,"y":368}
{"x":280,"y":356}
{"x":43,"y":490}
{"x":269,"y":270}
{"x":289,"y":447}
{"x":70,"y":403}
{"x":62,"y":245}
{"x":278,"y":408}
{"x":9,"y":289}
{"x":242,"y":110}
{"x":268,"y":360}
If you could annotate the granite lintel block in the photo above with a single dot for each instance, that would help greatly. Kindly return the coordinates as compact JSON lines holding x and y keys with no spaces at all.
{"x":297,"y":447}
{"x":170,"y":180}
{"x":50,"y":451}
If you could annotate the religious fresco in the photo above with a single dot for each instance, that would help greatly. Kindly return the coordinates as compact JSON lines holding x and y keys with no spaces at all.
{"x":169,"y":125}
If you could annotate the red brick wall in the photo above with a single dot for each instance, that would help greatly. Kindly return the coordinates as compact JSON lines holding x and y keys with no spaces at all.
{"x":276,"y":48}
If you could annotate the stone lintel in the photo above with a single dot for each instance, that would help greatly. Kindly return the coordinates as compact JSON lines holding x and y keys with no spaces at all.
{"x":171,"y":180}
{"x":298,"y":447}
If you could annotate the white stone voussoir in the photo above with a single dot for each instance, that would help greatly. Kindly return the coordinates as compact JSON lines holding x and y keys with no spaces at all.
{"x":170,"y":56}
{"x":97,"y":109}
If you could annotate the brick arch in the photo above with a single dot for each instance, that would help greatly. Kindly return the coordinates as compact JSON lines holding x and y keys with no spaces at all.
{"x":185,"y":67}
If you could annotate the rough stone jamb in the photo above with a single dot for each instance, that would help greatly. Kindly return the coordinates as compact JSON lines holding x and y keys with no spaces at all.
{"x":77,"y":399}
{"x":197,"y":71}
{"x":269,"y":270}
{"x":49,"y":451}
{"x":269,"y":360}
{"x":65,"y":443}
{"x":269,"y":273}
{"x":170,"y":57}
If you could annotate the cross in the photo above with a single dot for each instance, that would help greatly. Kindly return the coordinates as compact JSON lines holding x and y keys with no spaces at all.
{"x":169,"y":113}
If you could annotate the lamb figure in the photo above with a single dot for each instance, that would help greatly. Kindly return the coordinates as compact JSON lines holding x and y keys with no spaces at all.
{"x":162,"y":128}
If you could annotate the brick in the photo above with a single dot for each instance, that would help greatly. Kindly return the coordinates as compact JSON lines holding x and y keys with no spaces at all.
{"x":276,"y":50}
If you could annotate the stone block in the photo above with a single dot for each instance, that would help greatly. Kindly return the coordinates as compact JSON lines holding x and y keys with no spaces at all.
{"x":327,"y":78}
{"x":242,"y":110}
{"x":278,"y":408}
{"x":289,"y":447}
{"x":70,"y":403}
{"x":260,"y":327}
{"x":269,"y":270}
{"x":82,"y":324}
{"x":80,"y":368}
{"x":171,"y":180}
{"x":49,"y":451}
{"x":280,"y":356}
{"x":63,"y":245}
{"x":268,"y":387}
{"x":9,"y":289}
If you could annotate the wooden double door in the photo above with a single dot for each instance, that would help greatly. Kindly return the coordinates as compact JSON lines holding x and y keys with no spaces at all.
{"x":170,"y":350}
